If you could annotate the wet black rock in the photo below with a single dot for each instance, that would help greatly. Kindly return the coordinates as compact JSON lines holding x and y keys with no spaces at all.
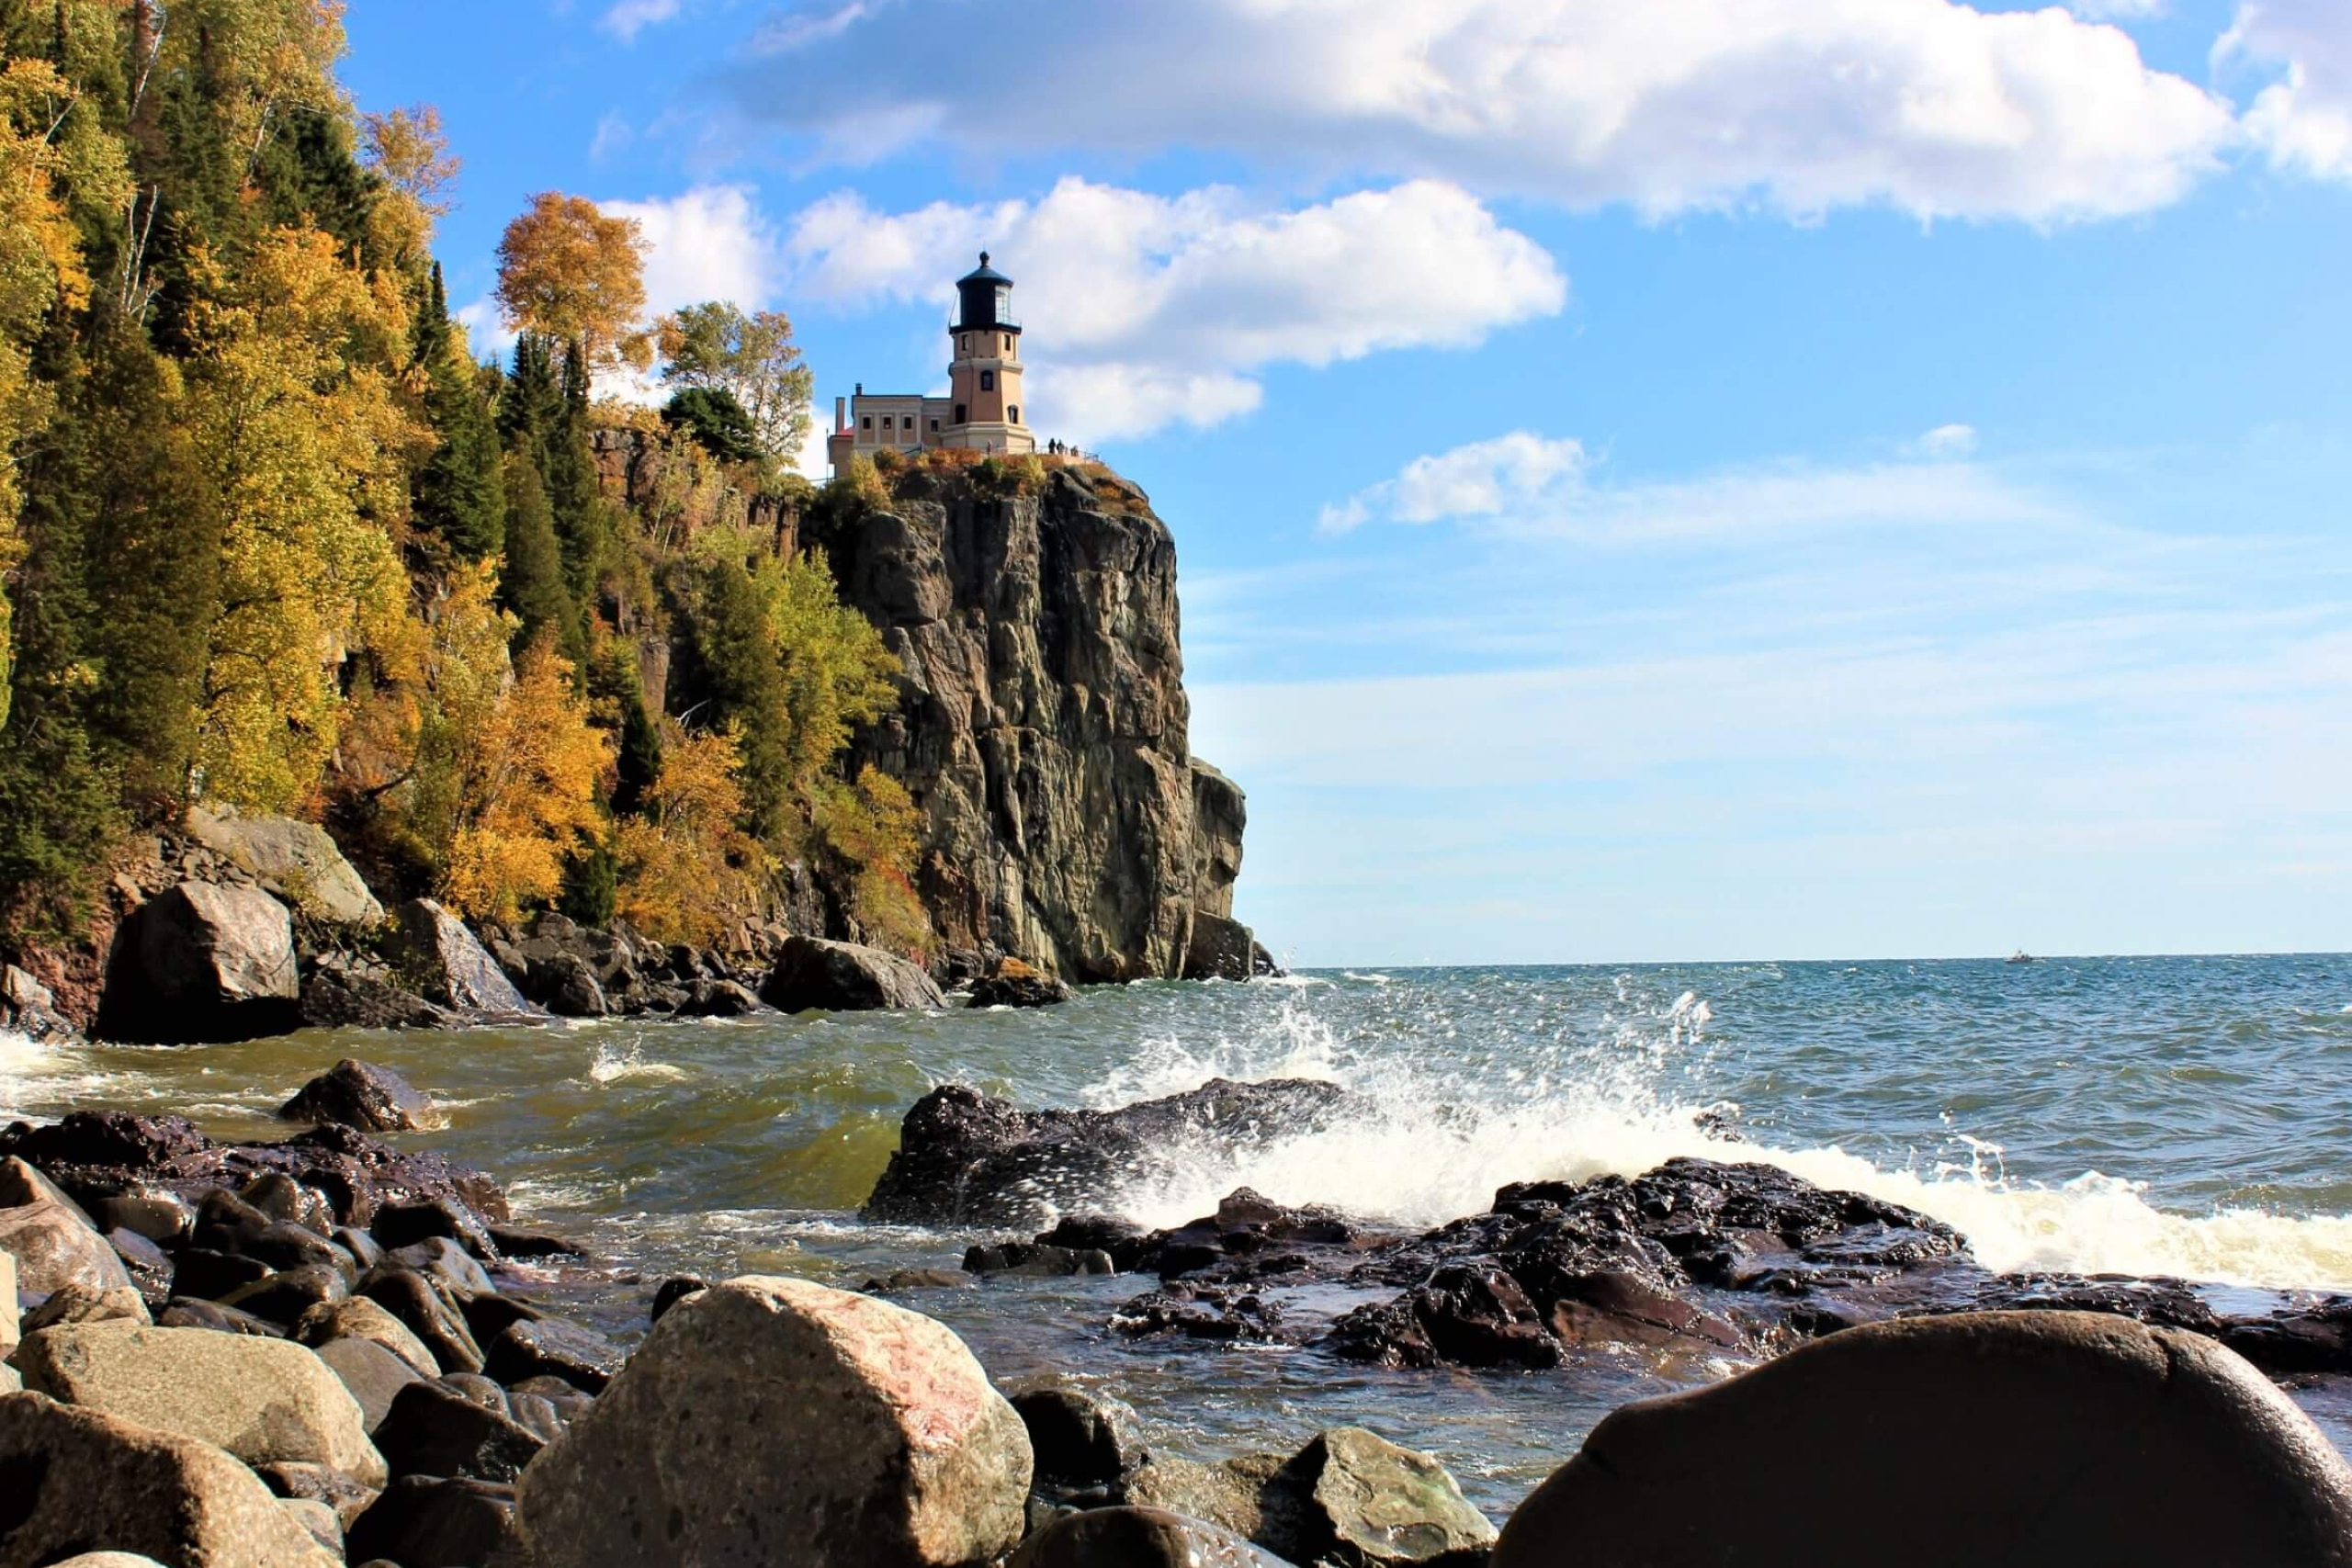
{"x":433,"y":1430}
{"x":1036,"y":1260}
{"x":672,"y":1292}
{"x":551,"y":1347}
{"x":422,"y":1519}
{"x":966,"y":1157}
{"x":335,"y":998}
{"x":1012,"y":984}
{"x":362,"y":1095}
{"x":202,"y":962}
{"x":1078,"y":1438}
{"x":1138,"y":1538}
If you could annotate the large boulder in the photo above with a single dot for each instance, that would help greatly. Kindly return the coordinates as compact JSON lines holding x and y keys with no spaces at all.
{"x":434,"y":949}
{"x":1138,"y":1538}
{"x":1223,"y":948}
{"x":78,"y":1481}
{"x":294,"y":860}
{"x":202,"y":962}
{"x":966,"y":1157}
{"x":360,"y":1094}
{"x":840,"y":977}
{"x":261,"y":1399}
{"x":916,"y":1460}
{"x":9,"y":1332}
{"x":1012,"y":984}
{"x":29,"y":1008}
{"x":2063,"y":1437}
{"x":50,"y":1242}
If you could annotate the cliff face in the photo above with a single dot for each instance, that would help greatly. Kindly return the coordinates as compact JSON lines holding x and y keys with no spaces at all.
{"x":1041,"y":724}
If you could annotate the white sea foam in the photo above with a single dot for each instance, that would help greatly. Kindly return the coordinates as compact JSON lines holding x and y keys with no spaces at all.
{"x":610,"y":1066}
{"x":1440,"y":1137}
{"x":34,"y":1071}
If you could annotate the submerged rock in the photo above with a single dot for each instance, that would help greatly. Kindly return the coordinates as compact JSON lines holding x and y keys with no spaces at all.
{"x":918,"y":1460}
{"x":202,"y":962}
{"x":1012,"y":984}
{"x":965,"y":1157}
{"x":2074,"y":1437}
{"x":362,"y":1095}
{"x":81,"y":1482}
{"x":811,"y":973}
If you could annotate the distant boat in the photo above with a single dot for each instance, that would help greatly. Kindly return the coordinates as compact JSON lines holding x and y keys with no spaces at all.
{"x":2021,"y":956}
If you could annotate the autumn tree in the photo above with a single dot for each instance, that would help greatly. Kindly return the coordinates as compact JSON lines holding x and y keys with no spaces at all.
{"x":568,"y":271}
{"x":872,"y":823}
{"x":687,"y":869}
{"x":525,"y":794}
{"x":408,"y":150}
{"x":718,"y":347}
{"x":299,"y":418}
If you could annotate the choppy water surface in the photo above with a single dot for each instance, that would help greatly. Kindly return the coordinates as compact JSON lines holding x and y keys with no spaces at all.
{"x":2187,"y":1116}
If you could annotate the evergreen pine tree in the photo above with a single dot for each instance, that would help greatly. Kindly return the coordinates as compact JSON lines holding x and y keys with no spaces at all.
{"x":532,"y":586}
{"x":738,"y":674}
{"x":568,"y":465}
{"x":461,"y":493}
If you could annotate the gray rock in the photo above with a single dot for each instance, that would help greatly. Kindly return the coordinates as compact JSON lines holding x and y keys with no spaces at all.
{"x":109,"y":1560}
{"x":360,"y":1094}
{"x":811,"y":973}
{"x":285,"y":1296}
{"x":550,"y":1348}
{"x":1236,"y":1495}
{"x":1383,"y":1505}
{"x":433,"y":947}
{"x":159,"y":1214}
{"x":918,"y":1460}
{"x":1220,"y":814}
{"x":9,"y":1382}
{"x":1221,"y":949}
{"x":295,"y":860}
{"x":1138,"y":1538}
{"x":373,"y":1375}
{"x":318,"y":1484}
{"x":318,"y":1520}
{"x":337,"y":999}
{"x":437,"y":1326}
{"x":1012,"y":984}
{"x":1041,"y":719}
{"x":718,"y":999}
{"x":260,"y":1399}
{"x":567,"y":987}
{"x":83,"y":1481}
{"x":201,"y":963}
{"x":2074,"y":1437}
{"x":360,"y":1318}
{"x":54,"y":1245}
{"x":27,"y":1006}
{"x":11,"y":1330}
{"x":81,"y":1304}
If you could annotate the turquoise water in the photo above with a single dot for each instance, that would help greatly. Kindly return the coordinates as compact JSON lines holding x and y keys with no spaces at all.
{"x":2189,"y":1116}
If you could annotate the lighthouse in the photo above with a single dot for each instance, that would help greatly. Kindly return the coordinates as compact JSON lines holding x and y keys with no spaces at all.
{"x":982,"y":410}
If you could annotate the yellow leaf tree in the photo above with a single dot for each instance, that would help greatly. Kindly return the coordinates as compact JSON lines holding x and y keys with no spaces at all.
{"x":570,"y":272}
{"x":299,"y":418}
{"x":527,"y":779}
{"x":687,"y":869}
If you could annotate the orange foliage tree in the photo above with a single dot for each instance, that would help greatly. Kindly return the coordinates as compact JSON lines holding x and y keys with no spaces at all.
{"x":567,"y":270}
{"x":528,"y":784}
{"x":687,"y":869}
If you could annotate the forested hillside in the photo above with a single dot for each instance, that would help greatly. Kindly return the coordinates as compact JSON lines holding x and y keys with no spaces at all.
{"x":274,"y":538}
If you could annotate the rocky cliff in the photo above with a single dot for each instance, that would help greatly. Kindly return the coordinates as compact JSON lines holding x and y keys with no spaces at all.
{"x":1042,"y":725}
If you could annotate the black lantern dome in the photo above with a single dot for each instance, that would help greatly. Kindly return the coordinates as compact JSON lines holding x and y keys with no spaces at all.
{"x":985,"y":299}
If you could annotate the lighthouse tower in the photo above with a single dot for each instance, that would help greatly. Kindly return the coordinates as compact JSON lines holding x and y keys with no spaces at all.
{"x":984,"y":378}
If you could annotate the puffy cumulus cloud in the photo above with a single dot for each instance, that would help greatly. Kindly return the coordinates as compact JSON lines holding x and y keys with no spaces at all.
{"x":1485,"y":479}
{"x":1527,"y":485}
{"x":2304,"y":122}
{"x":1931,"y":107}
{"x":1165,"y":308}
{"x":710,"y":242}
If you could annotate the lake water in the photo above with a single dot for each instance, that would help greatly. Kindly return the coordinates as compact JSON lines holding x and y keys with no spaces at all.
{"x":2187,"y":1116}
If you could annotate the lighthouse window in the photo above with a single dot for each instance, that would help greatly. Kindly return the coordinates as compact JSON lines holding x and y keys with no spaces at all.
{"x":988,"y":380}
{"x":1015,"y":412}
{"x":934,"y":427}
{"x":959,"y":413}
{"x":867,"y":422}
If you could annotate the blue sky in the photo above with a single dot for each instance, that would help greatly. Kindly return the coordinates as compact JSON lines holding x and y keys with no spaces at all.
{"x":1714,"y":479}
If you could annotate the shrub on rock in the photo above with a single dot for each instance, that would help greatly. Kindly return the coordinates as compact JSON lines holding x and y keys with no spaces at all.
{"x":704,"y":1449}
{"x":83,"y":1481}
{"x":2067,"y":1436}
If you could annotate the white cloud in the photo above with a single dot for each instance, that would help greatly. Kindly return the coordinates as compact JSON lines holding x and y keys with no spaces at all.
{"x":2304,"y":122}
{"x":1524,"y":484}
{"x":710,"y":242}
{"x":1929,"y":106}
{"x":1949,"y":441}
{"x":626,"y":18}
{"x":1485,"y":479}
{"x":2116,"y":10}
{"x":1164,"y":310}
{"x":613,"y":134}
{"x":486,"y":332}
